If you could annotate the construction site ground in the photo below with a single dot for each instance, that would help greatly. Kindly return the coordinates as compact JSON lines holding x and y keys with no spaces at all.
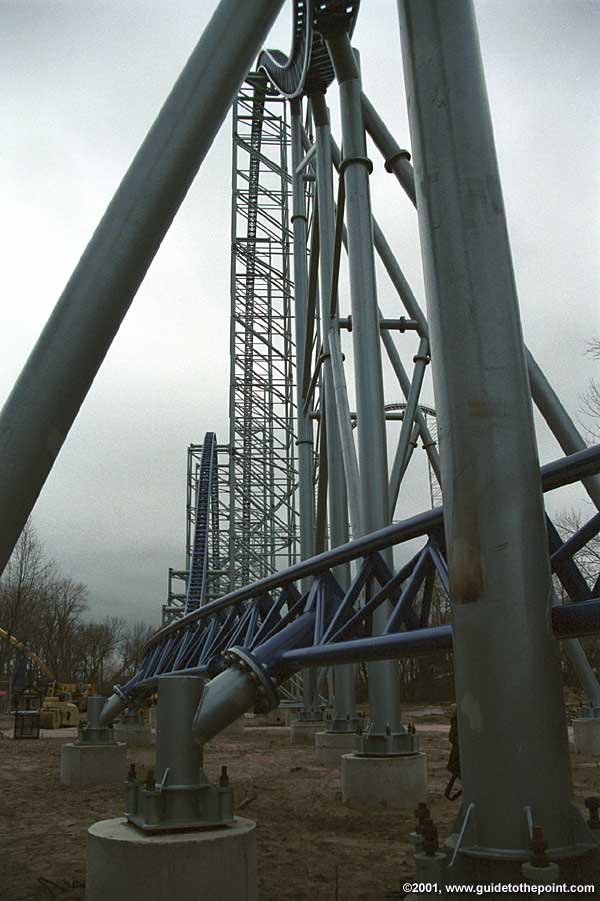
{"x":309,"y":845}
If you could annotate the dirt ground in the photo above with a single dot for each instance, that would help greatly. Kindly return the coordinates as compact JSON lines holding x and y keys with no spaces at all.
{"x":309,"y":845}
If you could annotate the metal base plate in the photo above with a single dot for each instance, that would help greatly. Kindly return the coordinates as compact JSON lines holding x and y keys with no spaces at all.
{"x":137,"y":820}
{"x":383,"y":745}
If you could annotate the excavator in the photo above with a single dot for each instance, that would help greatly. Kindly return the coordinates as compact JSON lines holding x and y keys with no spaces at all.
{"x":63,"y":702}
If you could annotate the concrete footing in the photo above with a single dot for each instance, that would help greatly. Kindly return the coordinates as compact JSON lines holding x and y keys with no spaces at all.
{"x":280,"y":716}
{"x":134,"y":735}
{"x":331,"y":746}
{"x":125,"y":864}
{"x":397,"y":782}
{"x":87,"y":764}
{"x":302,"y":732}
{"x":235,"y":728}
{"x":545,"y":875}
{"x":586,"y":735}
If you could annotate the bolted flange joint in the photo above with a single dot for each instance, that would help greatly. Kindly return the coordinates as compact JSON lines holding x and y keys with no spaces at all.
{"x":267,"y":697}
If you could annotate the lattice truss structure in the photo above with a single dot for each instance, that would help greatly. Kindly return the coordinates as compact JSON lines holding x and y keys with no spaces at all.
{"x":241,"y":511}
{"x":263,"y":472}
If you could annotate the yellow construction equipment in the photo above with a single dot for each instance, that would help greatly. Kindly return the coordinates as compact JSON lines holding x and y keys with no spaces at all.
{"x":64,"y":701}
{"x":58,"y":711}
{"x":33,"y":657}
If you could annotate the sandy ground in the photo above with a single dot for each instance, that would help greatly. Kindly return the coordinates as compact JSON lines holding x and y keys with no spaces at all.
{"x":309,"y":845}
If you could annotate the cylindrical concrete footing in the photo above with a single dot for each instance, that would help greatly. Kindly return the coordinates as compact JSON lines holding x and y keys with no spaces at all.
{"x":397,"y":782}
{"x":302,"y":732}
{"x":544,"y":875}
{"x":586,"y":735}
{"x":82,"y":764}
{"x":138,"y":735}
{"x":431,"y":869}
{"x":126,"y":864}
{"x":235,"y":728}
{"x":331,"y":746}
{"x":280,"y":716}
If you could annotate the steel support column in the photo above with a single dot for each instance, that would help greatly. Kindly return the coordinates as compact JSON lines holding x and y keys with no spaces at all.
{"x":384,"y":688}
{"x":405,"y":294}
{"x":306,"y":500}
{"x":514,"y":746}
{"x":345,"y":701}
{"x":306,"y":494}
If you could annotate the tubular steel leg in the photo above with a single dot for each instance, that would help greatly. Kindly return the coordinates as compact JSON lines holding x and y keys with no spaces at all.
{"x":306,"y":499}
{"x":412,"y":307}
{"x":176,"y":751}
{"x":61,"y":368}
{"x":180,"y":797}
{"x":345,"y":703}
{"x":513,"y":736}
{"x":384,"y":688}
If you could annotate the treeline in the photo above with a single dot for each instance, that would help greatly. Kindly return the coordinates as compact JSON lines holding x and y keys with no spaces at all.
{"x":430,"y":677}
{"x":48,"y":613}
{"x":588,"y":561}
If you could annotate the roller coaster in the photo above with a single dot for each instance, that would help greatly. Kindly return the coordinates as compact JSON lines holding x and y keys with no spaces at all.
{"x":352,"y":596}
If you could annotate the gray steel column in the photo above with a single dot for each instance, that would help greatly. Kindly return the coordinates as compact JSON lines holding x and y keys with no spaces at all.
{"x":344,"y":421}
{"x":306,"y":494}
{"x":61,"y":368}
{"x":178,"y":757}
{"x":413,"y":309}
{"x":384,"y":687}
{"x":345,"y":701}
{"x":306,"y":500}
{"x":396,"y":159}
{"x":514,"y":746}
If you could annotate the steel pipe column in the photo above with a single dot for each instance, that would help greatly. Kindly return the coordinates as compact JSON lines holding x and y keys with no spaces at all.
{"x":384,"y":688}
{"x":306,"y":502}
{"x":514,"y":748}
{"x":61,"y":368}
{"x":345,"y":700}
{"x":178,"y":757}
{"x":306,"y":499}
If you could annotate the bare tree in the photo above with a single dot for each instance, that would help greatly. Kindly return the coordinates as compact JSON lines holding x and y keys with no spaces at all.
{"x":135,"y":638}
{"x":590,"y":406}
{"x":97,"y":648}
{"x":60,"y":621}
{"x":24,"y":584}
{"x":588,"y":558}
{"x":46,"y":612}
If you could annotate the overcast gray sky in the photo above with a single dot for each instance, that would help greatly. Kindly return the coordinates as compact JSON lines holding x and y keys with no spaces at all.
{"x":82,"y":83}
